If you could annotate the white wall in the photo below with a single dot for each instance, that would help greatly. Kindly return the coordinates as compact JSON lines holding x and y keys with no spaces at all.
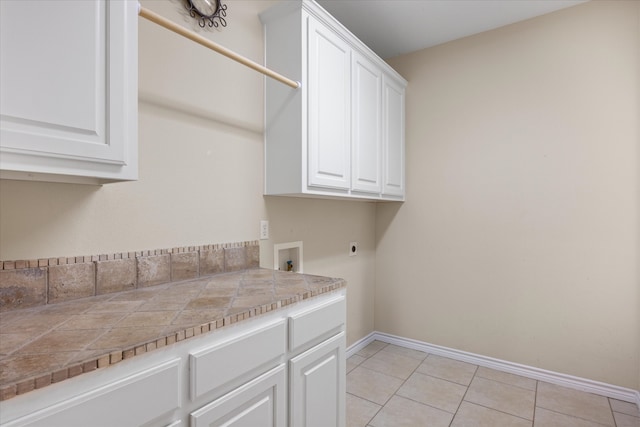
{"x":201,"y":171}
{"x":520,"y":235}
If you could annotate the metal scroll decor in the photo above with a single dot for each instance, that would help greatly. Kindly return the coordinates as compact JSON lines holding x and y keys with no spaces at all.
{"x":208,"y":12}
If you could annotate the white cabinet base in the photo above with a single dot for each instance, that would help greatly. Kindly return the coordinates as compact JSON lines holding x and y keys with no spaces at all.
{"x":318,"y":385}
{"x":248,"y":374}
{"x":260,"y":402}
{"x":128,"y":401}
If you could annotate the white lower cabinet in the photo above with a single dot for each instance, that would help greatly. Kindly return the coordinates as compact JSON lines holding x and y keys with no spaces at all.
{"x":131,"y":401}
{"x":318,"y":386}
{"x":260,"y":402}
{"x":239,"y":358}
{"x":285,"y":368}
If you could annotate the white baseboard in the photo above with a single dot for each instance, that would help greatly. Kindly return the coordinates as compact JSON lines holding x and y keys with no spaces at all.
{"x":583,"y":384}
{"x":360,"y":344}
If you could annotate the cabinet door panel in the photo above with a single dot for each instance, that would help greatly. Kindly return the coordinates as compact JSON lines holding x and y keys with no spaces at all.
{"x":329,"y":108}
{"x":260,"y":402}
{"x":43,"y":85}
{"x":318,"y":385}
{"x":393,"y":128}
{"x":60,"y":88}
{"x":68,"y":78}
{"x":116,"y":404}
{"x":366,"y":125}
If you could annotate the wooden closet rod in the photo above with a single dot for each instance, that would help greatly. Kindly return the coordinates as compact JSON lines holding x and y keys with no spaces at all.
{"x":169,"y":25}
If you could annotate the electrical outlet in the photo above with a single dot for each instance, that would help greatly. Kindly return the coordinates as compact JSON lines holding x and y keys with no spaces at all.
{"x":264,"y":229}
{"x":353,"y":248}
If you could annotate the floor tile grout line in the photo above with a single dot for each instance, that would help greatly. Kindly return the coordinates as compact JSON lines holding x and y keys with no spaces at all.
{"x":624,"y":413}
{"x":464,"y":395}
{"x":448,"y":380}
{"x":506,"y":383}
{"x":413,"y":400}
{"x":395,"y":392}
{"x":453,"y":414}
{"x":497,"y":410}
{"x":578,"y":418}
{"x":452,"y":382}
{"x":401,"y":385}
{"x":383,"y":405}
{"x":613,"y":413}
{"x":442,"y":379}
{"x":364,"y":398}
{"x":426,"y":404}
{"x":405,"y":380}
{"x":377,"y":404}
{"x":535,"y":404}
{"x":509,"y":385}
{"x":476,"y":374}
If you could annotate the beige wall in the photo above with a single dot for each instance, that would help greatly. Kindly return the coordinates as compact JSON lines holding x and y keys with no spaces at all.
{"x":201,"y":172}
{"x":520,"y":235}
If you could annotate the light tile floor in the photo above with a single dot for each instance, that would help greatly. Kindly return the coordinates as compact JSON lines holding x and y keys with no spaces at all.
{"x":388,"y":385}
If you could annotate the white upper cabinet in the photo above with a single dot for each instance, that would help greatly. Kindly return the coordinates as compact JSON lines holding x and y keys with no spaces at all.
{"x":68,"y":84}
{"x":342,"y":133}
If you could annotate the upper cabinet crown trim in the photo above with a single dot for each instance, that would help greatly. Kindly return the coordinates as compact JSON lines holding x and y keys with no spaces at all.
{"x":327,"y":19}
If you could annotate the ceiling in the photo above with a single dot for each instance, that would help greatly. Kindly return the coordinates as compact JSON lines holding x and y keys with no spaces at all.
{"x":396,"y":27}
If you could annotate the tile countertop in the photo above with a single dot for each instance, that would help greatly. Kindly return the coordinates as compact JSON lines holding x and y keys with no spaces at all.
{"x":44,"y":345}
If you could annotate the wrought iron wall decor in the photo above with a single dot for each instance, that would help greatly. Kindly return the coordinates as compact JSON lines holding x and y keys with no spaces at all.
{"x":208,"y":12}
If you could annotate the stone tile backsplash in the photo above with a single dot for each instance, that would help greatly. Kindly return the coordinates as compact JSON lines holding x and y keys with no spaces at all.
{"x":71,"y":281}
{"x":30,"y":283}
{"x":116,"y":275}
{"x":184,"y":266}
{"x":234,"y":259}
{"x":154,"y":270}
{"x":211,"y":261}
{"x":26,"y":287}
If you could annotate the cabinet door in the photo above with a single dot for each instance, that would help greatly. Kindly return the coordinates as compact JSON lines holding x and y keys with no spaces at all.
{"x":132,"y":401}
{"x":69,"y":87}
{"x":366,"y":125}
{"x":329,"y":111}
{"x":260,"y":402}
{"x":318,"y":385}
{"x":393,"y":137}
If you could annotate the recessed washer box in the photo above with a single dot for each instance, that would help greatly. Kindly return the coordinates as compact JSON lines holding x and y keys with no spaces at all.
{"x":288,"y":252}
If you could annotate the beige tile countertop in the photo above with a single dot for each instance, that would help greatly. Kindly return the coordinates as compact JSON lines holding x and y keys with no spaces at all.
{"x":48,"y":344}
